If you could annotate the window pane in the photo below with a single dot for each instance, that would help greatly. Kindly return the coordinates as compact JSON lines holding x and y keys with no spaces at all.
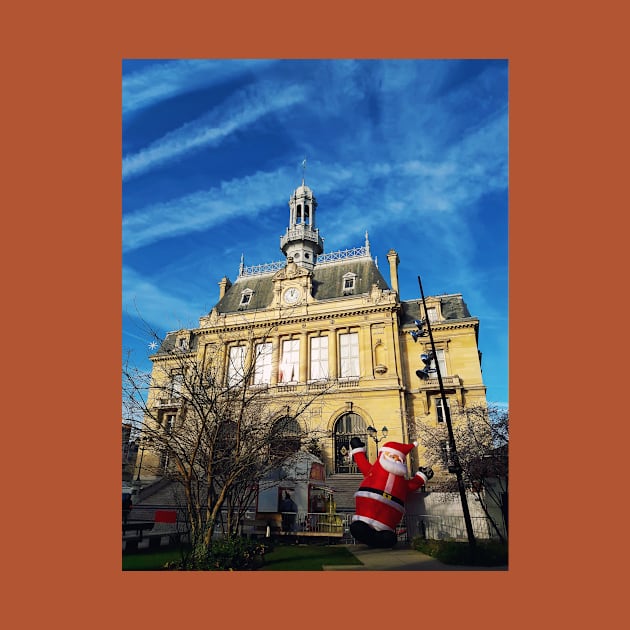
{"x":319,"y":357}
{"x":289,"y":363}
{"x":439,"y":405}
{"x":262,"y":366}
{"x":176,"y":384}
{"x":349,"y":354}
{"x":236,"y":365}
{"x":442,"y":362}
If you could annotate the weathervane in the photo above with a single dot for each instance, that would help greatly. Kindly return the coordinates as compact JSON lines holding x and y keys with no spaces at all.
{"x":303,"y":170}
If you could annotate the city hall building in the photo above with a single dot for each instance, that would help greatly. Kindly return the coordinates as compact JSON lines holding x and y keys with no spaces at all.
{"x":333,"y":323}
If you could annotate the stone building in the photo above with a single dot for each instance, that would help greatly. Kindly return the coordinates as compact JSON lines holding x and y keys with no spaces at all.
{"x":332,"y":322}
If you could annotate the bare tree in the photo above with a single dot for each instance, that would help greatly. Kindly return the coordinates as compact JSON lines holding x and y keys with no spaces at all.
{"x":215,"y":427}
{"x":481,"y":433}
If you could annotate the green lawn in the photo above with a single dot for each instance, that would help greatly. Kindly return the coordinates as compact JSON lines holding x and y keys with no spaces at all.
{"x":282,"y":558}
{"x":306,"y":557}
{"x":149,"y":561}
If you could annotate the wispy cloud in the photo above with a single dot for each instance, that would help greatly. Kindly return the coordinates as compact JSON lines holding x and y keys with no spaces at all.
{"x":144,"y":300}
{"x":242,"y":110}
{"x":204,"y":209}
{"x":158,"y":82}
{"x":382,"y":193}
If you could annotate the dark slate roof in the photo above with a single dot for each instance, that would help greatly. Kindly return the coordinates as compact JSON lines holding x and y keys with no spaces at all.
{"x":328,"y":279}
{"x":327,"y":284}
{"x":168,"y":343}
{"x":453,"y":307}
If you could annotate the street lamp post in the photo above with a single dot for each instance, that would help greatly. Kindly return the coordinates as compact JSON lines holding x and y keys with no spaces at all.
{"x":447,"y":416}
{"x":373,"y":433}
{"x":141,"y":440}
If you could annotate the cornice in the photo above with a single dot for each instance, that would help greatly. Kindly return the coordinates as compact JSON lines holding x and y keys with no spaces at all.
{"x":297,"y":319}
{"x":468,"y":323}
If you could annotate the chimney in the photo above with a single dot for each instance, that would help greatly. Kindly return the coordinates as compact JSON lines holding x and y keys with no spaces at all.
{"x":224,"y":285}
{"x":393,"y":259}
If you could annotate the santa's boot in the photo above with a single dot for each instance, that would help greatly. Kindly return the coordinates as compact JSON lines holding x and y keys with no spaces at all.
{"x":362,"y":532}
{"x":371,"y":537}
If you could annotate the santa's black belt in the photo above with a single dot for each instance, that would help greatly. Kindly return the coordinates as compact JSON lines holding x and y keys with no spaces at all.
{"x":384,"y":494}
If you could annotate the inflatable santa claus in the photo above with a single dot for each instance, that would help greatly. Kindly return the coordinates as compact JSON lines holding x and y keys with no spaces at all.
{"x":380,"y":499}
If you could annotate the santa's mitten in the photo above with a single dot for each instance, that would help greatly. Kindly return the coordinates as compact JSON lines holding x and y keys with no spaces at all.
{"x":355,"y":442}
{"x":427,"y":471}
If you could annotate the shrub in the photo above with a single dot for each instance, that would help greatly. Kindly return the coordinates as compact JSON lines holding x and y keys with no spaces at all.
{"x":486,"y":554}
{"x":230,"y":554}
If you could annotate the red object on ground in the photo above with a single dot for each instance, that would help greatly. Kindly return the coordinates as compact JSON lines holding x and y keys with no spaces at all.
{"x":165,"y":516}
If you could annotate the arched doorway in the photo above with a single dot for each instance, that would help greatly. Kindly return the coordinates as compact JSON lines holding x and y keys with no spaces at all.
{"x":347,"y":426}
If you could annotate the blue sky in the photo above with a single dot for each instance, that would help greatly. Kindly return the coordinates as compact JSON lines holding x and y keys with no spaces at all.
{"x":415,"y":152}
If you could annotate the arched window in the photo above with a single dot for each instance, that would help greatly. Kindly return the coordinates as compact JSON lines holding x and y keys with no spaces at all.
{"x":349,"y":425}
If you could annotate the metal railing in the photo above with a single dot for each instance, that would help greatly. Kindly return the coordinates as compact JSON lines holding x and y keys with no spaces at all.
{"x":342,"y":254}
{"x":450,"y":527}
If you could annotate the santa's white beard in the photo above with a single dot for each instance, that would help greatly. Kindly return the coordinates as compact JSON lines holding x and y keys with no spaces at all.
{"x":392,"y":466}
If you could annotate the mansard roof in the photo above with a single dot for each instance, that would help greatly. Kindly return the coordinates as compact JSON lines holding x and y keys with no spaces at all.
{"x":327,"y":284}
{"x":453,"y":307}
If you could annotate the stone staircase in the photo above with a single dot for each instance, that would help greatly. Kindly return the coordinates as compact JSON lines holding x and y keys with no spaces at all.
{"x":344,"y":486}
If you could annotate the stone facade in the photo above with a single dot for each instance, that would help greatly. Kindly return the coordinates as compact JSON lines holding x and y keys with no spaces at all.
{"x":349,"y":334}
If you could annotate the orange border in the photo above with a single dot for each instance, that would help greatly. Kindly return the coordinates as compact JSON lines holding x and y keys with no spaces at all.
{"x":66,"y":145}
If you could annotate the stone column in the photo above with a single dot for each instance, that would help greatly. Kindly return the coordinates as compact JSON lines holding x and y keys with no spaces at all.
{"x":275,"y":360}
{"x":303,"y":357}
{"x":366,"y":351}
{"x":332,"y":353}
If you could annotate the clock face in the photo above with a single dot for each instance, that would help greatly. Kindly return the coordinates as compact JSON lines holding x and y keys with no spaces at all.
{"x":291,"y":296}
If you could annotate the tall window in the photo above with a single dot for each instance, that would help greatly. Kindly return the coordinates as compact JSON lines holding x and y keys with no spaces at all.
{"x":432,"y":314}
{"x":236,"y":366}
{"x":349,"y":354}
{"x":169,"y":423}
{"x":177,"y":380}
{"x":319,"y":358}
{"x":290,"y":361}
{"x":441,"y":358}
{"x":439,"y":405}
{"x":262,"y":365}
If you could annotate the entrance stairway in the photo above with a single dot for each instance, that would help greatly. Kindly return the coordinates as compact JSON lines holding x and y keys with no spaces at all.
{"x":344,"y":486}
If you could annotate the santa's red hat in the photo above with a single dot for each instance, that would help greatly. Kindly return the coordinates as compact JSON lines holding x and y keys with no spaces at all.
{"x":399,"y":449}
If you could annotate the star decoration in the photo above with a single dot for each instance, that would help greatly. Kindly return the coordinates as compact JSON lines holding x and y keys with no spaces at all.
{"x":153,"y":345}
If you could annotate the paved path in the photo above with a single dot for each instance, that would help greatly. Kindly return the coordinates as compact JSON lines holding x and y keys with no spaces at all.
{"x":399,"y":559}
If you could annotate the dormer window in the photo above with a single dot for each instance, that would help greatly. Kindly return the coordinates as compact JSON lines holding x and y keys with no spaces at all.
{"x":432,"y":314}
{"x":246,"y":296}
{"x":349,"y":280}
{"x":182,"y":344}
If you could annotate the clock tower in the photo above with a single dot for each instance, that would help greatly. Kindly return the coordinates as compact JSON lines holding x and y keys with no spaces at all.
{"x":302,"y":242}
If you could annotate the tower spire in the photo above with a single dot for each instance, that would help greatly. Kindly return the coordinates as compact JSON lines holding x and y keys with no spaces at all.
{"x":303,"y":171}
{"x":302,"y":241}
